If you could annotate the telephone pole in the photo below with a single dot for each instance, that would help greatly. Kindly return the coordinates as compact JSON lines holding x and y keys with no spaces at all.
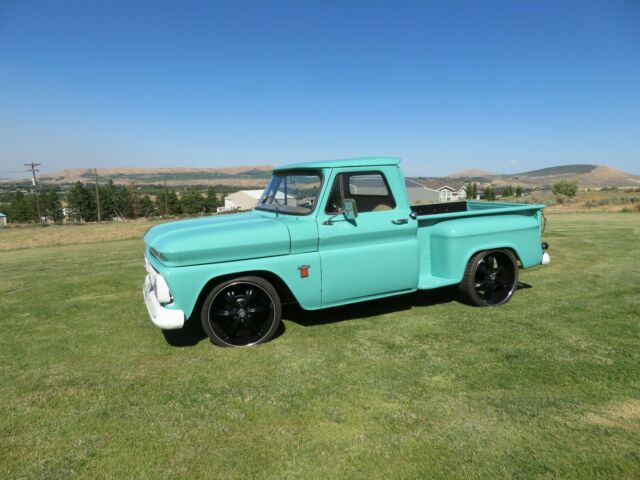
{"x":166,"y":198}
{"x":32,"y":168}
{"x":95,"y":171}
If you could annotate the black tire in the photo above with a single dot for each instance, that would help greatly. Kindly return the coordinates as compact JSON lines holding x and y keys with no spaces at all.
{"x":490,"y":279}
{"x":241,"y":312}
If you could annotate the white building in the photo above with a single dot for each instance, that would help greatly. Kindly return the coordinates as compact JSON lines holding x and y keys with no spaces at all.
{"x":241,"y":200}
{"x":246,"y":200}
{"x":430,"y":192}
{"x":3,"y":219}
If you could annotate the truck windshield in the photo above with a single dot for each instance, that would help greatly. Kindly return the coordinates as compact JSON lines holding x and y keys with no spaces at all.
{"x":291,"y":193}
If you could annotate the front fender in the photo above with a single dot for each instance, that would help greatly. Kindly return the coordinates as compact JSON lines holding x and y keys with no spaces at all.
{"x":186,"y":283}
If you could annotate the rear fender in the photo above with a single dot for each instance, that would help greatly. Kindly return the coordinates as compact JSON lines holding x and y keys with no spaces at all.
{"x":454,"y":242}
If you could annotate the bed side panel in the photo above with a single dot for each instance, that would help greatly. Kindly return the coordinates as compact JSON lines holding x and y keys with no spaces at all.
{"x":453,"y":242}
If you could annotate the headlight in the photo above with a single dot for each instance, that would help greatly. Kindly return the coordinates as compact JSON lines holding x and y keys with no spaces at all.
{"x":157,"y":254}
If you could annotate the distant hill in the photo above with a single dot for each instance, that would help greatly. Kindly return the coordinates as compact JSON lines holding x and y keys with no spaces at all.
{"x":472,"y":173}
{"x":559,"y":170}
{"x":256,"y":176}
{"x":240,"y":176}
{"x":587,"y":176}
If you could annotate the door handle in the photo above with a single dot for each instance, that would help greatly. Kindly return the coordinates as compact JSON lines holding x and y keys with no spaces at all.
{"x":400,"y":221}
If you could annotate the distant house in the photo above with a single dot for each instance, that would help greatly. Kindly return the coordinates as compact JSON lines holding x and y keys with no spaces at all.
{"x":3,"y":219}
{"x":244,"y":200}
{"x":419,"y":194}
{"x":431,"y":192}
{"x":241,"y":200}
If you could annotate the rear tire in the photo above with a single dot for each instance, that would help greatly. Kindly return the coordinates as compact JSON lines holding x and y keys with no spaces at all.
{"x":241,"y":312}
{"x":490,"y":279}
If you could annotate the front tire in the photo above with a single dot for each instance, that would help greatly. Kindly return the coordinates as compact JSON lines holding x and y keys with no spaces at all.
{"x":490,"y":279}
{"x":241,"y":312}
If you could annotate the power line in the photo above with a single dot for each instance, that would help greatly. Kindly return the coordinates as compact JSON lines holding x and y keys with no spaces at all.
{"x":32,"y":167}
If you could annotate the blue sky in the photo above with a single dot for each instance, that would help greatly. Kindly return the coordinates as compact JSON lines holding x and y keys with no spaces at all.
{"x":499,"y":85}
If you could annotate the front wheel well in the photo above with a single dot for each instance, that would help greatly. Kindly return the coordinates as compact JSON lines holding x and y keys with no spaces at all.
{"x":285,"y":293}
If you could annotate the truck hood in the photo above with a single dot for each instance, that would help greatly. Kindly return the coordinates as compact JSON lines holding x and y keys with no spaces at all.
{"x":222,"y":238}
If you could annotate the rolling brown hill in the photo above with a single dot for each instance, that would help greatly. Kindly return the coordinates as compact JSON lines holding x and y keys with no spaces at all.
{"x":248,"y":175}
{"x":472,"y":173}
{"x":587,"y":176}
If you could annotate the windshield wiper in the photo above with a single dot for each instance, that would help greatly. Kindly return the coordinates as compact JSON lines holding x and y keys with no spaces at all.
{"x":264,"y":199}
{"x":273,"y":201}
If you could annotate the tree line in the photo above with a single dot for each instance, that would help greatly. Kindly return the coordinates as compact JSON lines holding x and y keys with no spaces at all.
{"x":24,"y":208}
{"x":117,"y":202}
{"x":490,"y":193}
{"x":563,"y":187}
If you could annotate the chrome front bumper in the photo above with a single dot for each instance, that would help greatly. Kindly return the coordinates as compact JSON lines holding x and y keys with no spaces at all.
{"x":162,"y":317}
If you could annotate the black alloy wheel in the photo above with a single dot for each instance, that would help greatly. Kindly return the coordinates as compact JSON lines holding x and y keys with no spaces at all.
{"x":491,"y":278}
{"x":241,"y":312}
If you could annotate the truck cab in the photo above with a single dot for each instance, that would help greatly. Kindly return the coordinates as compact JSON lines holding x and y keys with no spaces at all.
{"x":331,"y":233}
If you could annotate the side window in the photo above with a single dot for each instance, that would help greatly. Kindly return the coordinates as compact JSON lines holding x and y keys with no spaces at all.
{"x":369,"y":190}
{"x":371,"y":184}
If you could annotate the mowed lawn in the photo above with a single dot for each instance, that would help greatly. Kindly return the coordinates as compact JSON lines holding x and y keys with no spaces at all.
{"x":419,"y":386}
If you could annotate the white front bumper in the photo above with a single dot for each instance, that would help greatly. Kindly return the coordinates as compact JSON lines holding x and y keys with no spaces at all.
{"x":162,"y":317}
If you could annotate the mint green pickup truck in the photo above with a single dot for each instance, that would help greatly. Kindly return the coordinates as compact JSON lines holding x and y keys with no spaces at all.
{"x":331,"y":233}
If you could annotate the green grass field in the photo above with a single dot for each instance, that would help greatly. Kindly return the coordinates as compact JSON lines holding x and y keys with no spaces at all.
{"x":419,"y":386}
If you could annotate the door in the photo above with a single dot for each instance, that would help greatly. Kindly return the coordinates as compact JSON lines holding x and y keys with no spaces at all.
{"x":377,"y":252}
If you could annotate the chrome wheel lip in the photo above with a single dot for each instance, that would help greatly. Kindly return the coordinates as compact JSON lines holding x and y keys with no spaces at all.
{"x":271,"y":308}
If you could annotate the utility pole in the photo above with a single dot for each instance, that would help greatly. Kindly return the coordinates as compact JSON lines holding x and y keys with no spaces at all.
{"x":32,"y":168}
{"x":166,"y":198}
{"x":95,"y":171}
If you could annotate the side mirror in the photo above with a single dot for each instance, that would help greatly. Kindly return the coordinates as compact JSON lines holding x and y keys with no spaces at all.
{"x":350,"y":209}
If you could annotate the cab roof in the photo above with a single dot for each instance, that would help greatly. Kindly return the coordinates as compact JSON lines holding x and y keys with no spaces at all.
{"x":345,"y":162}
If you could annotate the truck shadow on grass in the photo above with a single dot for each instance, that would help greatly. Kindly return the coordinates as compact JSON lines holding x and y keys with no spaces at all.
{"x":372,"y":308}
{"x":188,"y":336}
{"x":192,"y":333}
